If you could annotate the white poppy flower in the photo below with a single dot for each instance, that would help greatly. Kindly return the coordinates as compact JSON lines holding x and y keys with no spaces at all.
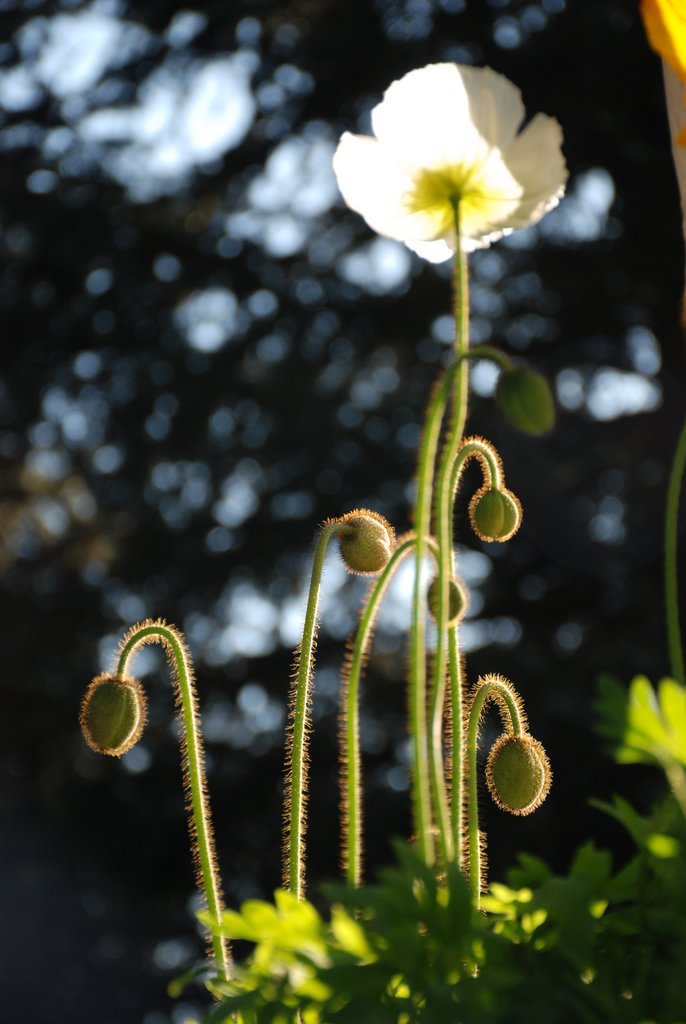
{"x":448,"y":133}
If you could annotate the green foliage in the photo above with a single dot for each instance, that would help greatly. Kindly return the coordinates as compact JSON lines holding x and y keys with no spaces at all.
{"x":402,"y":947}
{"x":597,"y":944}
{"x":646,"y":727}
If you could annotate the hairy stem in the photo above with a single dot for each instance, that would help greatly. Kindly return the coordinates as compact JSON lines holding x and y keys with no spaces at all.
{"x":195,"y":782}
{"x":676,"y":653}
{"x":351,"y":775}
{"x":421,"y":795}
{"x":295,"y":804}
{"x":474,"y":447}
{"x":443,"y":517}
{"x":420,"y":791}
{"x":491,"y":352}
{"x":497,"y":689}
{"x":457,"y":785}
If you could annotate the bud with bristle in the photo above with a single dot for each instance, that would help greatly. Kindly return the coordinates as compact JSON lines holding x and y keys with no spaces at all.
{"x":518,"y":773}
{"x":495,"y":514}
{"x":113,"y":714}
{"x":458,"y":600}
{"x":367,"y":542}
{"x":525,"y":397}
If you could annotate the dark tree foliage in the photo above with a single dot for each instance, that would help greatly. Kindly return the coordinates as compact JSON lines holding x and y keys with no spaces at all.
{"x":205,"y":354}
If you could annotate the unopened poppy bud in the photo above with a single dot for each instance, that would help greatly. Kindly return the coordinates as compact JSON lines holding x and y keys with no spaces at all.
{"x":495,"y":514}
{"x":113,"y":713}
{"x":367,"y":542}
{"x":457,"y":600}
{"x":518,"y":773}
{"x":526,"y":399}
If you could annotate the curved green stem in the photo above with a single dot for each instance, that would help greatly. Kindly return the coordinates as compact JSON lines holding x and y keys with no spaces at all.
{"x":475,"y":447}
{"x":419,"y":779}
{"x":295,"y":804}
{"x":421,"y":796}
{"x":195,"y":782}
{"x":443,"y":515}
{"x":494,"y":354}
{"x":671,"y":568}
{"x":351,"y":776}
{"x":488,"y":688}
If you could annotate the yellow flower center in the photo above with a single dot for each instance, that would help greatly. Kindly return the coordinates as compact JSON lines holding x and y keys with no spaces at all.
{"x":487,"y":195}
{"x":435,"y":194}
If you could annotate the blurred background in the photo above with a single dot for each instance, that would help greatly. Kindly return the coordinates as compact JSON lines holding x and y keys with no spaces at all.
{"x":205,"y":354}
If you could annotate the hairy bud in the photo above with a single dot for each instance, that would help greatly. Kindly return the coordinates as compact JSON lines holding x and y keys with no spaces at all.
{"x":113,"y":713}
{"x":526,"y":399}
{"x":518,"y":773}
{"x":495,"y":514}
{"x":367,"y":542}
{"x":457,"y":600}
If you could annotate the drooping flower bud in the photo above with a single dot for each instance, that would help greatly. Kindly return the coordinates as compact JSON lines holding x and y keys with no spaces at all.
{"x":367,"y":542}
{"x":518,"y":773}
{"x":113,"y":713}
{"x":495,"y":514}
{"x":458,"y":600}
{"x":526,"y":399}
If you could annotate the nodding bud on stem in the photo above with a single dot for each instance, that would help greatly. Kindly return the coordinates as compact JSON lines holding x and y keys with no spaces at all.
{"x":526,"y":399}
{"x":113,"y":713}
{"x":518,"y":773}
{"x":366,"y":542}
{"x":458,"y":600}
{"x":495,"y":514}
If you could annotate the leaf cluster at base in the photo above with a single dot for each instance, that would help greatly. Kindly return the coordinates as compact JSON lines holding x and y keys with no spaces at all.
{"x":593,"y":946}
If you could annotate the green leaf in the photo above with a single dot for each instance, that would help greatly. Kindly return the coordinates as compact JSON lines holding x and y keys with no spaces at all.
{"x":644,"y":727}
{"x":672,"y":700}
{"x":177,"y":985}
{"x":663,"y":846}
{"x":350,"y":935}
{"x":234,"y":925}
{"x":592,"y":864}
{"x":622,"y":811}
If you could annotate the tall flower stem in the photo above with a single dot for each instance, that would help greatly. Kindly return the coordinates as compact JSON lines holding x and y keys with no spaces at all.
{"x":499,"y":690}
{"x":483,"y":451}
{"x":443,"y":513}
{"x":457,"y":775}
{"x":351,"y":775}
{"x":421,"y":794}
{"x":671,"y":568}
{"x":195,"y":782}
{"x":295,"y":804}
{"x":420,"y":789}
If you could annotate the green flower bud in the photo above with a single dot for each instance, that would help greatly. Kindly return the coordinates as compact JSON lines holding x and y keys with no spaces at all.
{"x":367,"y":542}
{"x":518,"y":773}
{"x":526,"y":399}
{"x":457,"y":600}
{"x":495,"y":514}
{"x":113,"y":713}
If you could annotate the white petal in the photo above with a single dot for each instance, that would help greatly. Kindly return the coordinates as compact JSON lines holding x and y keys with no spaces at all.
{"x":374,"y":186}
{"x":424,"y":120}
{"x":535,"y":159}
{"x":493,"y":195}
{"x":434,"y":252}
{"x":495,"y":104}
{"x":483,"y":241}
